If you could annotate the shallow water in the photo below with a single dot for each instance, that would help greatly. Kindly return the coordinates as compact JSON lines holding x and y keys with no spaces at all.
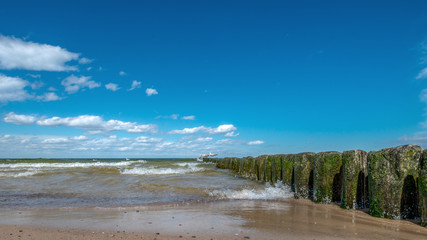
{"x":79,"y":183}
{"x":176,"y":197}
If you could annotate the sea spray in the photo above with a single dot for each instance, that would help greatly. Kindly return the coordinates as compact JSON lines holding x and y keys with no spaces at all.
{"x":276,"y":192}
{"x":69,"y":164}
{"x":160,"y":171}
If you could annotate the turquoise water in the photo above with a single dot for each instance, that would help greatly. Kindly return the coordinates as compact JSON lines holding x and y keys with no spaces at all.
{"x":105,"y":183}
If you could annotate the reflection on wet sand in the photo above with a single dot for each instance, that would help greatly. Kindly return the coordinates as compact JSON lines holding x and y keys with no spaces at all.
{"x":287,"y":219}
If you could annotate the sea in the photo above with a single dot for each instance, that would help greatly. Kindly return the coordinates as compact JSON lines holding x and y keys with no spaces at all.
{"x":112,"y":183}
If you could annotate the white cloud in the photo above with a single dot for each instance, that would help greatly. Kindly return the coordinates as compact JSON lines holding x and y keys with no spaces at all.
{"x":225,"y":128}
{"x":257,"y":142}
{"x":422,"y":74}
{"x":56,"y":140}
{"x":112,"y":86}
{"x":81,"y":137}
{"x":92,"y":123}
{"x":225,"y":142}
{"x":12,"y":89}
{"x":192,"y":117}
{"x":37,"y":85}
{"x":83,"y":121}
{"x":84,"y":60}
{"x":151,"y":91}
{"x":172,"y":116}
{"x":49,"y":97}
{"x":18,"y":54}
{"x":52,"y":89}
{"x":19,"y":119}
{"x":121,"y":73}
{"x":114,"y":146}
{"x":203,"y":139}
{"x":146,"y":139}
{"x":34,"y":75}
{"x":423,"y":96}
{"x":73,"y":84}
{"x":232,"y":134}
{"x":135,"y":85}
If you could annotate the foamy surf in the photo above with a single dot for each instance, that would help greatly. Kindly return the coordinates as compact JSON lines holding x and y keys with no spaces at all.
{"x":160,"y":171}
{"x":18,"y":174}
{"x":68,"y":165}
{"x":276,"y":192}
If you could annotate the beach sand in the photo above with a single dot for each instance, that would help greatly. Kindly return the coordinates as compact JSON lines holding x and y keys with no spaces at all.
{"x":231,"y":219}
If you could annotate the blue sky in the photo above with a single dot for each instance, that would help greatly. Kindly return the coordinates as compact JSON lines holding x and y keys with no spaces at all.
{"x":238,"y":78}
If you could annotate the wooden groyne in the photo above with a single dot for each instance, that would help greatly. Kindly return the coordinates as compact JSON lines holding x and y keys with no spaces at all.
{"x":391,"y":182}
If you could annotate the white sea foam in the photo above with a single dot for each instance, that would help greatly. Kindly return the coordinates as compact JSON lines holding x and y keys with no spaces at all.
{"x":68,"y":165}
{"x":160,"y":171}
{"x":278,"y":191}
{"x":188,"y":164}
{"x":18,"y":174}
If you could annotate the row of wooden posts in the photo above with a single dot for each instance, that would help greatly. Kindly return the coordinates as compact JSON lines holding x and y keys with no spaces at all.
{"x":391,"y":182}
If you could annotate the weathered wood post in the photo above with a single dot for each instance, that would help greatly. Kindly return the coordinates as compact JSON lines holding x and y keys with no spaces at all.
{"x":303,"y":167}
{"x":287,"y":169}
{"x":327,"y":177}
{"x":355,"y":173}
{"x":392,"y":176}
{"x":422,"y":187}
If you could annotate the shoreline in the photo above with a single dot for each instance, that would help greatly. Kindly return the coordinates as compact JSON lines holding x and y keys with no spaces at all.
{"x":227,"y":219}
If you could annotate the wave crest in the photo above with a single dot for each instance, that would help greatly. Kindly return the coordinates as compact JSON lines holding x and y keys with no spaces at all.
{"x":276,"y":192}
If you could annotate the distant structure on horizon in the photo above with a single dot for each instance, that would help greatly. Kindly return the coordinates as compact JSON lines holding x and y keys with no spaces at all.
{"x":200,"y":158}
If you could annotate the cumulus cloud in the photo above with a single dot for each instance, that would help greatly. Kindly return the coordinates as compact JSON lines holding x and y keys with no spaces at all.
{"x":225,"y":128}
{"x":12,"y":89}
{"x":257,"y":142}
{"x":135,"y":85}
{"x":121,"y":73}
{"x":18,"y":54}
{"x":91,"y":123}
{"x":232,"y":134}
{"x":37,"y":85}
{"x":151,"y":91}
{"x":203,"y":139}
{"x":73,"y":84}
{"x":115,"y":146}
{"x":112,"y":86}
{"x":56,"y":140}
{"x":19,"y":119}
{"x":49,"y":97}
{"x":192,"y":117}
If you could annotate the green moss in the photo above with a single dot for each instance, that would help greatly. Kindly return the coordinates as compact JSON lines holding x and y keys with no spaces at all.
{"x":422,"y":188}
{"x":268,"y":169}
{"x":387,"y":170}
{"x":326,"y":166}
{"x":353,"y":162}
{"x":303,"y":165}
{"x":276,"y":169}
{"x":287,"y":168}
{"x":261,"y":168}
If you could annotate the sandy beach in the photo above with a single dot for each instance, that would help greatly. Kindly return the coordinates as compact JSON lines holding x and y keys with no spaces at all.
{"x":290,"y":219}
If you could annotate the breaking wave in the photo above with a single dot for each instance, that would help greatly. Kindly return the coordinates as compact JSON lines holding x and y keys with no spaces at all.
{"x":68,"y":165}
{"x":18,"y":174}
{"x":276,"y":192}
{"x":161,"y":171}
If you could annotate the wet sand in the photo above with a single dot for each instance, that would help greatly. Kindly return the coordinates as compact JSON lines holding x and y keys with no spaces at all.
{"x":289,"y":219}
